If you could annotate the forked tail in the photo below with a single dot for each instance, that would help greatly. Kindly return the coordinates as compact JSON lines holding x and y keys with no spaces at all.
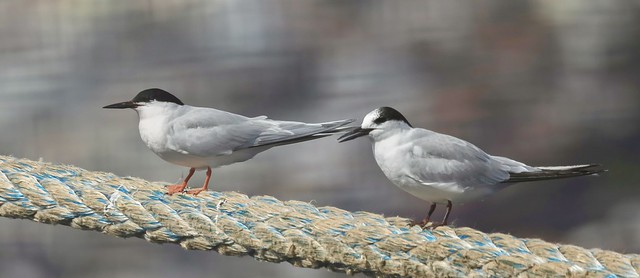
{"x":556,"y":172}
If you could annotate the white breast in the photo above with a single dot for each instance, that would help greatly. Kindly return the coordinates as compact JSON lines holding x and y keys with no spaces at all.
{"x":153,"y":126}
{"x":394,"y":157}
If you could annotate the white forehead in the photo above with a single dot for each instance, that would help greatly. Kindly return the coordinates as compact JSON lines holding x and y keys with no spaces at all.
{"x":367,"y":122}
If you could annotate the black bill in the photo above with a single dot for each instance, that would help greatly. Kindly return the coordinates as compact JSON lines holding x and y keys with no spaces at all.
{"x":355,"y":133}
{"x":122,"y":105}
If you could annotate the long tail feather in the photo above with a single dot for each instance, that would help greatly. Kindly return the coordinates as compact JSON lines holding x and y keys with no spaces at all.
{"x":325,"y":129}
{"x":556,"y":172}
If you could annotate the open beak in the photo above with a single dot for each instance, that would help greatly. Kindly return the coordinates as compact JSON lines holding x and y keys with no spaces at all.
{"x":122,"y":105}
{"x":355,"y":133}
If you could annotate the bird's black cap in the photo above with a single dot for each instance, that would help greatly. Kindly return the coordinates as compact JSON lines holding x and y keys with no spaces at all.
{"x":146,"y":96}
{"x":390,"y":114}
{"x":156,"y":94}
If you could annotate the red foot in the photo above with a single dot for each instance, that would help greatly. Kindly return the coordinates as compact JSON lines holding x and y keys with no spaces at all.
{"x":176,"y":188}
{"x":195,"y":192}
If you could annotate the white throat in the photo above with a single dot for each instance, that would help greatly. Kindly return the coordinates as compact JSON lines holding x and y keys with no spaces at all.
{"x":388,"y":129}
{"x":154,"y":122}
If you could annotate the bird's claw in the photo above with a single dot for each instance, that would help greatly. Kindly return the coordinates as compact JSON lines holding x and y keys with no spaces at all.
{"x":436,"y":225}
{"x":433,"y":225}
{"x":195,"y":192}
{"x":421,"y":224}
{"x":176,"y":188}
{"x":427,"y":225}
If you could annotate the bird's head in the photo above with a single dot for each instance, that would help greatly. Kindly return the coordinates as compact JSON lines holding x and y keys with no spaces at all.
{"x":377,"y":122}
{"x":146,"y":98}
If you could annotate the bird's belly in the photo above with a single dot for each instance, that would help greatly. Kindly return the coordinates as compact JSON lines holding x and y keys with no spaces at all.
{"x":436,"y":194}
{"x":186,"y":160}
{"x":199,"y":162}
{"x":442,"y":192}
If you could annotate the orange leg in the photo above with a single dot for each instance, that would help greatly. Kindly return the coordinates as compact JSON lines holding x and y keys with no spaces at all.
{"x":172,"y":189}
{"x":204,"y":187}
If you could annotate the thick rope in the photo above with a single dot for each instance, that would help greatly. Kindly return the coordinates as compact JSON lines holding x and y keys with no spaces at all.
{"x":296,"y":232}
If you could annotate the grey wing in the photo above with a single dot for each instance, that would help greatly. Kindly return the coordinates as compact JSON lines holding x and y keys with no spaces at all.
{"x":453,"y":164}
{"x":209,"y":132}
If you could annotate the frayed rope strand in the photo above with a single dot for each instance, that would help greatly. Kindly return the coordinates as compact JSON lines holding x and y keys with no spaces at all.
{"x":291,"y":231}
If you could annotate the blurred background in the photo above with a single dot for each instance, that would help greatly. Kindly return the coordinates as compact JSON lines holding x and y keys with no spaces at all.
{"x":544,"y":82}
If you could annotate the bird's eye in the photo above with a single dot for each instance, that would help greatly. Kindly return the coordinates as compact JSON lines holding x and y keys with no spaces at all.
{"x":379,"y":120}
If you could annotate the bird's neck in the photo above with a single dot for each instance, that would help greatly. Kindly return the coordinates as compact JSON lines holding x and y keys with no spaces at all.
{"x":389,"y":131}
{"x":157,"y":110}
{"x":154,"y":124}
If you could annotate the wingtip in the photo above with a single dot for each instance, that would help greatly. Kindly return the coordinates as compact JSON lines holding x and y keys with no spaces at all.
{"x":558,"y":172}
{"x":337,"y":124}
{"x":346,"y":121}
{"x":571,"y":167}
{"x":599,"y":171}
{"x":593,"y":167}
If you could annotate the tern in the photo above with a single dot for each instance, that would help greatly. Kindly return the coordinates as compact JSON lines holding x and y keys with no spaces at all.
{"x":204,"y":138}
{"x":443,"y":169}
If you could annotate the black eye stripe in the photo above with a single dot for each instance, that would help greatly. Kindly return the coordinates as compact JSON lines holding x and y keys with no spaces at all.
{"x":379,"y":120}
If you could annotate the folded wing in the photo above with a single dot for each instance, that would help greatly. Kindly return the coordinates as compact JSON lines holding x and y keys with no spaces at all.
{"x":209,"y":132}
{"x":452,"y":164}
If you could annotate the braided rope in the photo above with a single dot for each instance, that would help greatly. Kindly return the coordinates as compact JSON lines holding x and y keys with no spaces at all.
{"x":296,"y":232}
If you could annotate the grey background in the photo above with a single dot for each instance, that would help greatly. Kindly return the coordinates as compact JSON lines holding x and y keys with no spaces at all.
{"x":544,"y":82}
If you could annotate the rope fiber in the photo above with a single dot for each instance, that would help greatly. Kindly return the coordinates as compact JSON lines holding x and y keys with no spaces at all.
{"x":291,"y":231}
